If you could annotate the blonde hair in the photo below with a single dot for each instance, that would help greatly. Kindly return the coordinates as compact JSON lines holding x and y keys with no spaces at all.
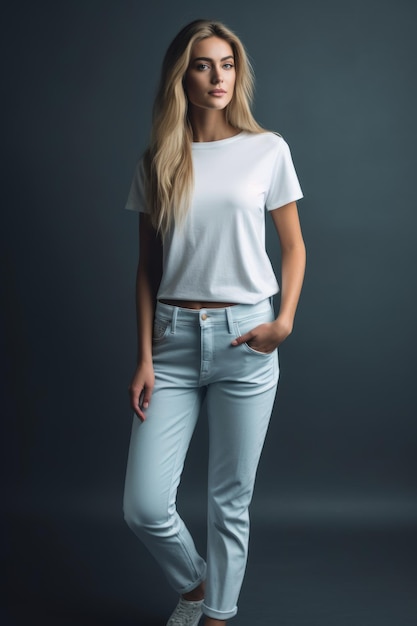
{"x":168,"y":161}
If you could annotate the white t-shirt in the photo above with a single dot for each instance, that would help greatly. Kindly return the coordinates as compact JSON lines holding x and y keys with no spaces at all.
{"x":219,"y":254}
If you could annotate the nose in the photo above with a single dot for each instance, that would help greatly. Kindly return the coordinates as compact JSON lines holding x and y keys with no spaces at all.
{"x":216,"y":76}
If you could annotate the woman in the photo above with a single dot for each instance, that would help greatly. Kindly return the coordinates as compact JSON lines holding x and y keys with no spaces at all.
{"x":206,"y":327}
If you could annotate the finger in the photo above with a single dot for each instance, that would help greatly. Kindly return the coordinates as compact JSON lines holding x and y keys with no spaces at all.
{"x":137,"y":409}
{"x":140,"y":414}
{"x":242,"y":339}
{"x":135,"y":402}
{"x":146,"y":397}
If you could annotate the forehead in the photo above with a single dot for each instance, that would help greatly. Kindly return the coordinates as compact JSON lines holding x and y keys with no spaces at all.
{"x":211,"y":48}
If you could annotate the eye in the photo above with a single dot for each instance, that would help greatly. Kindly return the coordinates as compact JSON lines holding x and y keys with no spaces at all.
{"x":201,"y":67}
{"x":228,"y":66}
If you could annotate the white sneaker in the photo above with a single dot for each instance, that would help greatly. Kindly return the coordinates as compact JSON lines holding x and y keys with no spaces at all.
{"x":186,"y":613}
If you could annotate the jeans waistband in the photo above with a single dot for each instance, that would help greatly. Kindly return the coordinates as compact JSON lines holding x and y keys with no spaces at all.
{"x":228,"y":315}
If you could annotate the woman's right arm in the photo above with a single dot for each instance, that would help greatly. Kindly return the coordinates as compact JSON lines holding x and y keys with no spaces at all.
{"x":148,"y":277}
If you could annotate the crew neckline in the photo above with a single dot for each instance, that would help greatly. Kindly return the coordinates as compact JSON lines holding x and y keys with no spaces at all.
{"x":218,"y":142}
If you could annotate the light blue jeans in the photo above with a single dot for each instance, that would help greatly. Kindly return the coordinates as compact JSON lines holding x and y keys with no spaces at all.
{"x":194,"y":360}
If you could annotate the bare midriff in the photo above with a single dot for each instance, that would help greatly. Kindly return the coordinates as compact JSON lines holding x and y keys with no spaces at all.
{"x":191,"y":304}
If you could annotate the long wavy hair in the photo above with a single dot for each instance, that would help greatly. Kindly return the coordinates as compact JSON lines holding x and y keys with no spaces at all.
{"x":168,"y":164}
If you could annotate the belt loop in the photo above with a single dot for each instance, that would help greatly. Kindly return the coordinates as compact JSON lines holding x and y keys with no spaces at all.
{"x":174,"y":319}
{"x":229,"y":319}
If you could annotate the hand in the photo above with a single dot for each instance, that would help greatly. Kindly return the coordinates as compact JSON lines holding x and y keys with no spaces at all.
{"x":265,"y":337}
{"x":140,"y":389}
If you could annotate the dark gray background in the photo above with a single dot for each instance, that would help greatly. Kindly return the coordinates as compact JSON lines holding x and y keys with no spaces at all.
{"x":337,"y":80}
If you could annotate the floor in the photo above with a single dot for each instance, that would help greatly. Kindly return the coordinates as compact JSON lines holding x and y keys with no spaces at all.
{"x":70,"y":570}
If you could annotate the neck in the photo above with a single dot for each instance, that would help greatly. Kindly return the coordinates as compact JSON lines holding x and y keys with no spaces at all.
{"x":210,"y":125}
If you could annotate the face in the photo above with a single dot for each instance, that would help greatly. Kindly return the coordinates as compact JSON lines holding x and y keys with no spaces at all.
{"x":210,"y":79}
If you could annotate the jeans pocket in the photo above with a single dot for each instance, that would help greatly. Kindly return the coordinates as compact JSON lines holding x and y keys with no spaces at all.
{"x":160,"y":330}
{"x":245,"y":326}
{"x":253,"y":351}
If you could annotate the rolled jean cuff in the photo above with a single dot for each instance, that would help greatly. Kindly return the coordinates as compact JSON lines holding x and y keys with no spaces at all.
{"x":194,"y":584}
{"x":222,"y":615}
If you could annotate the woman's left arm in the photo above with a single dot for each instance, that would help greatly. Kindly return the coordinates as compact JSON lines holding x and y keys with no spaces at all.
{"x":267,"y":337}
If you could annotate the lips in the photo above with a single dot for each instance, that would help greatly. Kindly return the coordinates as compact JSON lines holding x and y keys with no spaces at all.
{"x":217,"y":92}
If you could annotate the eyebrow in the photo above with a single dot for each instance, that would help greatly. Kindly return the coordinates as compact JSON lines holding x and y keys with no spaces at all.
{"x":230,"y":56}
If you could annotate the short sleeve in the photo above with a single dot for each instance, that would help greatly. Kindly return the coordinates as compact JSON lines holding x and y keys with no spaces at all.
{"x":136,"y":200}
{"x":284,"y":187}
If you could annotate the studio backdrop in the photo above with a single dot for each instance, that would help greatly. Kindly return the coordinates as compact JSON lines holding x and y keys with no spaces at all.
{"x":336,"y":79}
